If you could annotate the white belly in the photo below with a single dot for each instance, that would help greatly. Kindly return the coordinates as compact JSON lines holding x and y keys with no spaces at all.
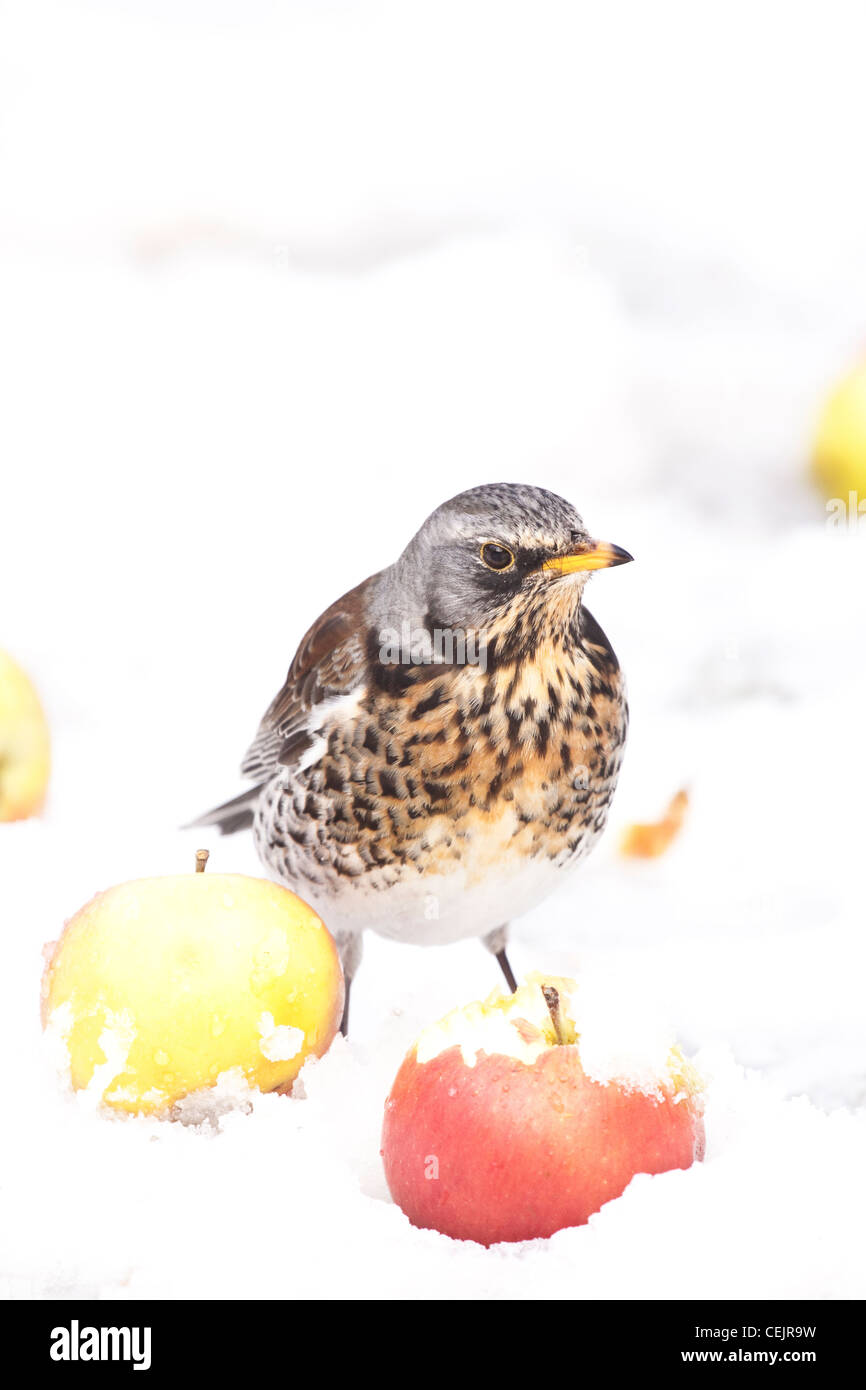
{"x":435,"y":909}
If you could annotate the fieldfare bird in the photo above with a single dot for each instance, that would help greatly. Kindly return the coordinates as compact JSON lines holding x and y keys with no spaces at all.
{"x":448,"y":738}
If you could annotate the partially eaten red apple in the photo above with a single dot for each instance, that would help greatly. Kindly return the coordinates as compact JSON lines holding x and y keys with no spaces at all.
{"x":495,"y":1131}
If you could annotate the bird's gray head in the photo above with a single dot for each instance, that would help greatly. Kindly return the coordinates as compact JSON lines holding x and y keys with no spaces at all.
{"x":478,"y":552}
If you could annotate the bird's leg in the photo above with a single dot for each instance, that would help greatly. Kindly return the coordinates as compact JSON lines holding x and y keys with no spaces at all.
{"x":505,"y":966}
{"x":350,"y":947}
{"x":496,"y":941}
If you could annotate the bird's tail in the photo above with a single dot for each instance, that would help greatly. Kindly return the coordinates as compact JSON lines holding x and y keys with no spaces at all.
{"x":233,"y":815}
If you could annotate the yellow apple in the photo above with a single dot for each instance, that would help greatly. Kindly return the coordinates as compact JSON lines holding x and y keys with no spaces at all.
{"x":25,"y":749}
{"x":158,"y":986}
{"x":839,"y":461}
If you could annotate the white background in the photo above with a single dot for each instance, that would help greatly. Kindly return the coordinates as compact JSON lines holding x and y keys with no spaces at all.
{"x":276,"y":280}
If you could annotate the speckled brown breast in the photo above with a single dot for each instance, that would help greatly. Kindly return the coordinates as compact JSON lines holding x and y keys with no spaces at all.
{"x":457,"y":767}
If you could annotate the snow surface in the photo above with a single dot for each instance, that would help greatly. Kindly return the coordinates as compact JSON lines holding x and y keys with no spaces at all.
{"x":277,"y":280}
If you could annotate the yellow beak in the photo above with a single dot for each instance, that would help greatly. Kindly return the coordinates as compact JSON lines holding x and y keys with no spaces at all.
{"x":595,"y":555}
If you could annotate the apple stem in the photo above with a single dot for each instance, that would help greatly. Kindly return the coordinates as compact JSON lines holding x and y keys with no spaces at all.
{"x":201,"y":858}
{"x":551,"y":999}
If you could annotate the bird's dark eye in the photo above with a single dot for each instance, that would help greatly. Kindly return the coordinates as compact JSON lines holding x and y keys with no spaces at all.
{"x":497,"y":557}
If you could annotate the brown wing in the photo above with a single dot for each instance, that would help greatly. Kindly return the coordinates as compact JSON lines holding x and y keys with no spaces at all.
{"x":329,"y":662}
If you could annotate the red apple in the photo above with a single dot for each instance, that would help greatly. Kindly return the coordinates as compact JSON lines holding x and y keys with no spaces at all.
{"x":494,"y":1131}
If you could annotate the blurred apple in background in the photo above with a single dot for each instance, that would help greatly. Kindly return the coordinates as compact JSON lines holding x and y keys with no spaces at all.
{"x":158,"y":986}
{"x":494,"y":1130}
{"x":839,"y":460}
{"x":25,"y":748}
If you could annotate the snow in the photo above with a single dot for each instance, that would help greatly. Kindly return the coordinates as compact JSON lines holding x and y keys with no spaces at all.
{"x":613,"y":1023}
{"x":279,"y":1042}
{"x":276,"y":281}
{"x":622,"y":1036}
{"x":511,"y":1025}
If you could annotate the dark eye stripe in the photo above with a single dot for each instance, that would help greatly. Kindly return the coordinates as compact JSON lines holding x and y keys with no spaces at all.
{"x":497,"y":557}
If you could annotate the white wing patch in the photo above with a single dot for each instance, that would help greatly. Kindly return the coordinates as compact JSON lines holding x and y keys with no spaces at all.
{"x":337,"y":710}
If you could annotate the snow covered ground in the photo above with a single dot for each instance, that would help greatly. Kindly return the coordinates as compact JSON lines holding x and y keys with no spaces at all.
{"x":276,"y":281}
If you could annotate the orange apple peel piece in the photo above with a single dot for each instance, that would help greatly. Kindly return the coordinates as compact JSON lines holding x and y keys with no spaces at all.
{"x":651,"y":839}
